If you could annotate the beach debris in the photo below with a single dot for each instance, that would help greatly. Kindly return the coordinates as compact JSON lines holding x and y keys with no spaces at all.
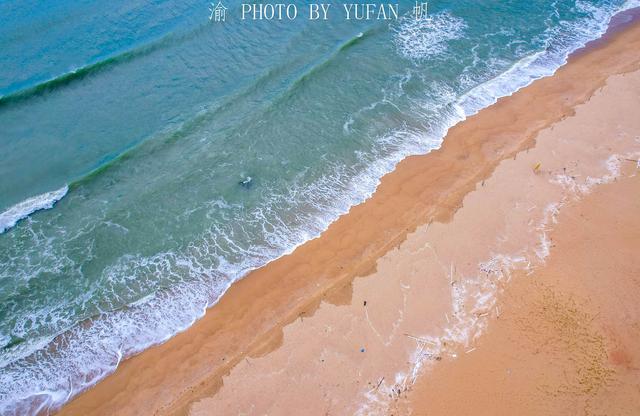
{"x":378,"y":385}
{"x":536,"y":168}
{"x":361,"y":349}
{"x":422,"y":347}
{"x":636,"y":161}
{"x":365,"y":303}
{"x":471,"y":350}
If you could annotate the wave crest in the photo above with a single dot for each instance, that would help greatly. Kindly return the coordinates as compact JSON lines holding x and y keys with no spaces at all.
{"x":21,"y":210}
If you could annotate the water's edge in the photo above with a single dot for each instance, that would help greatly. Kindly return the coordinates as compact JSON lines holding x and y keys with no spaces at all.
{"x":520,"y":75}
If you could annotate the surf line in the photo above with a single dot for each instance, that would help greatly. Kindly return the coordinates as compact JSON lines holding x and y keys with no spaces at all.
{"x":320,"y":11}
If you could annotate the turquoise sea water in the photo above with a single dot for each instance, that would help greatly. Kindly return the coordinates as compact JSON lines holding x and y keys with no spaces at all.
{"x":150,"y":157}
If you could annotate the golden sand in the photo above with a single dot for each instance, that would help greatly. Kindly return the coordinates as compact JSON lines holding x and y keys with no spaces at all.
{"x":432,"y":254}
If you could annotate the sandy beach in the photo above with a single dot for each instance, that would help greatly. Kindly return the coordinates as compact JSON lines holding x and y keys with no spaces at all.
{"x":495,"y":275}
{"x":564,"y":342}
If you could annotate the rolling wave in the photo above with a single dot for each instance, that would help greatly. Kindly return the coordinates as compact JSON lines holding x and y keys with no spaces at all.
{"x":260,"y":84}
{"x":21,"y":210}
{"x":326,"y":62}
{"x":96,"y":67}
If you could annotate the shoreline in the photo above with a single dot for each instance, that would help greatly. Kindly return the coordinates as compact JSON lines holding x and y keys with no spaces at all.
{"x":434,"y":298}
{"x":422,"y":185}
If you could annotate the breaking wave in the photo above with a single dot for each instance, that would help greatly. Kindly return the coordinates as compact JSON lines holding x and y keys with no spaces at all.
{"x":21,"y":210}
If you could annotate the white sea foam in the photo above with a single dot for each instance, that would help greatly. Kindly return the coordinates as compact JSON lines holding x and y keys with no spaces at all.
{"x":581,"y":186}
{"x":84,"y":355}
{"x":561,"y":41}
{"x":420,"y":39}
{"x":21,"y":210}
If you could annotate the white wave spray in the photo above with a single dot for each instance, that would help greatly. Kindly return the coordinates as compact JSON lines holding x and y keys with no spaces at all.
{"x":22,"y":210}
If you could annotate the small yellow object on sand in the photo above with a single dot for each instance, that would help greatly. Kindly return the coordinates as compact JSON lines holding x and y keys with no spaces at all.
{"x":536,"y":168}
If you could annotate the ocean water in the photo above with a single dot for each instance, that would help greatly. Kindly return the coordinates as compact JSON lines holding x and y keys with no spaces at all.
{"x":150,"y":157}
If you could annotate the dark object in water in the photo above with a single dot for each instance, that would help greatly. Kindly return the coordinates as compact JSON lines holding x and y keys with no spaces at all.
{"x":13,"y":341}
{"x":247,"y":183}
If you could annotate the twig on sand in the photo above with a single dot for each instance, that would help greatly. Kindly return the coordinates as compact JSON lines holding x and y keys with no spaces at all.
{"x":471,"y":350}
{"x":379,"y":383}
{"x":419,"y":339}
{"x":636,"y":161}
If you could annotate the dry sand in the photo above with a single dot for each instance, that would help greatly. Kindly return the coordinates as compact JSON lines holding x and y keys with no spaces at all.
{"x":439,"y":254}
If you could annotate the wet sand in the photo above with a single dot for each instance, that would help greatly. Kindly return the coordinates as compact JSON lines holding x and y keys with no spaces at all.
{"x":431,"y":254}
{"x":566,"y":339}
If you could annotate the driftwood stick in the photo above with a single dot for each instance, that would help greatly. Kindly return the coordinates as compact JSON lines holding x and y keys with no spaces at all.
{"x":419,"y":339}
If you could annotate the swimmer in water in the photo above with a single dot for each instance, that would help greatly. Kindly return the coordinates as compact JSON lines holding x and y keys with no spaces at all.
{"x":247,"y":182}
